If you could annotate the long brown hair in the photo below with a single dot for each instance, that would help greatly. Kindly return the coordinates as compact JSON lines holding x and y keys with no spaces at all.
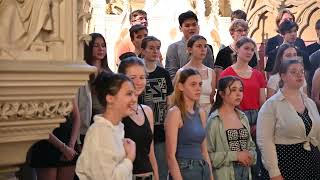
{"x":178,"y":99}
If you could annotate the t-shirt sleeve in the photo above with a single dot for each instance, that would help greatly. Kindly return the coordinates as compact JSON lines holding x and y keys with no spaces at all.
{"x":219,"y":61}
{"x":226,"y":72}
{"x":273,"y":83}
{"x":169,"y":82}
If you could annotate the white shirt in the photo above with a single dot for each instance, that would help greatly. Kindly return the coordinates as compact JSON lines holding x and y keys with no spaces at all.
{"x":273,"y":82}
{"x":103,"y":155}
{"x":279,"y":123}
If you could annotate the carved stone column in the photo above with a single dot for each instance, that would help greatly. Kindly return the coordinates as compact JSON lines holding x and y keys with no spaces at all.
{"x":41,"y":68}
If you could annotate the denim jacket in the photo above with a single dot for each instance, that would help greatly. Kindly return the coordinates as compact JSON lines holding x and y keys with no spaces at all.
{"x":222,"y":159}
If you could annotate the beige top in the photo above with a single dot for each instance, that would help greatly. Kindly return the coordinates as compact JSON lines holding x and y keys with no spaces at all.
{"x":103,"y":155}
{"x":279,"y":123}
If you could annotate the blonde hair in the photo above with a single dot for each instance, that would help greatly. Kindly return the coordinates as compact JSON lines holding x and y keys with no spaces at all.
{"x":178,"y":99}
{"x":238,"y":23}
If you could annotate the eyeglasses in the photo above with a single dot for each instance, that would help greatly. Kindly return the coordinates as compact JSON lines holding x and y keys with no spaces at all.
{"x":296,"y":73}
{"x":140,"y":19}
{"x":241,"y":30}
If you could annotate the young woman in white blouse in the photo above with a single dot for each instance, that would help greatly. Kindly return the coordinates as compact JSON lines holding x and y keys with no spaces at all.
{"x":197,"y":48}
{"x":106,"y":154}
{"x":288,"y":129}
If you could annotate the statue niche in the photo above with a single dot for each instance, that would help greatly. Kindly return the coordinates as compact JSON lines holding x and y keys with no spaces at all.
{"x":25,"y":23}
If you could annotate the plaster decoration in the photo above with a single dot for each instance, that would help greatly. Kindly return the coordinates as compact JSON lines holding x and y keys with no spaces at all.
{"x":24,"y":21}
{"x":34,"y":110}
{"x":262,"y":14}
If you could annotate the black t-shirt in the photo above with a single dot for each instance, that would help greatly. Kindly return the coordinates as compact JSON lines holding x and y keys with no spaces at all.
{"x":225,"y":59}
{"x":155,"y":95}
{"x":312,"y":48}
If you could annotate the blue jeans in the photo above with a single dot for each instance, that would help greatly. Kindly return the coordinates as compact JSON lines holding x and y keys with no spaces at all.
{"x":193,"y":169}
{"x":252,"y":116}
{"x":160,"y":152}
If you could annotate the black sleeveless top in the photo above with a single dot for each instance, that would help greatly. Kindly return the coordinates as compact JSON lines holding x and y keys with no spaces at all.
{"x":142,"y":136}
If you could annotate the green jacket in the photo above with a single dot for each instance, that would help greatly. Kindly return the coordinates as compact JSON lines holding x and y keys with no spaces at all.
{"x":218,"y":148}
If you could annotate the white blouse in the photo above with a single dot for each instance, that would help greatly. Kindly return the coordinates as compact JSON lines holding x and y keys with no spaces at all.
{"x":103,"y":155}
{"x":279,"y":123}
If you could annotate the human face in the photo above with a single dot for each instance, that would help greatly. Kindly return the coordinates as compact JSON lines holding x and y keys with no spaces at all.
{"x":294,"y":77}
{"x":290,"y":36}
{"x":286,"y":16}
{"x":137,"y":38}
{"x":191,"y":88}
{"x":245,"y":52}
{"x":152,"y":51}
{"x":140,"y":19}
{"x":233,"y":94}
{"x":124,"y":101}
{"x":198,"y":50}
{"x":189,"y":27}
{"x":239,"y":32}
{"x":289,"y":54}
{"x":99,"y":49}
{"x":138,"y":75}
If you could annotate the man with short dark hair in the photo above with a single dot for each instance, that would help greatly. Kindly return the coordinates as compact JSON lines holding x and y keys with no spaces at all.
{"x":238,"y":14}
{"x":136,"y":17}
{"x":177,"y":55}
{"x":137,"y":33}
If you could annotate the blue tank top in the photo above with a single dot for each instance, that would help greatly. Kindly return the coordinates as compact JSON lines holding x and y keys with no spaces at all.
{"x":190,"y":137}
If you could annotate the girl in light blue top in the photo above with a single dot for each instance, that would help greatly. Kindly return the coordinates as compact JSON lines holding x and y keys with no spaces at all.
{"x":185,"y":123}
{"x":230,"y":146}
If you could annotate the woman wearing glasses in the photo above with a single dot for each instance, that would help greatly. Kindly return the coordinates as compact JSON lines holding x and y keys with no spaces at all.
{"x":288,"y":129}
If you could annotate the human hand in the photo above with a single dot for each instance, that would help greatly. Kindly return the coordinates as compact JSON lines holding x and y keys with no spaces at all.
{"x":130,"y":148}
{"x":245,"y":158}
{"x":68,"y":153}
{"x":277,"y":178}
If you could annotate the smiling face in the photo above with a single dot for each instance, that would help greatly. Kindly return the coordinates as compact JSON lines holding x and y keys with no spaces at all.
{"x":124,"y":101}
{"x":138,"y":75}
{"x":233,"y":94}
{"x":99,"y":49}
{"x":198,"y":50}
{"x":189,"y":27}
{"x":245,"y":52}
{"x":191,"y":88}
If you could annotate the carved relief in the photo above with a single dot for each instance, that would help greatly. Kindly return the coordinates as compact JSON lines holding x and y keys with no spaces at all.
{"x":262,"y":14}
{"x":34,"y":110}
{"x":24,"y":22}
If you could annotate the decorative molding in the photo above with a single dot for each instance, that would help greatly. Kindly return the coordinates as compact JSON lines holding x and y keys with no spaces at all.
{"x":34,"y":110}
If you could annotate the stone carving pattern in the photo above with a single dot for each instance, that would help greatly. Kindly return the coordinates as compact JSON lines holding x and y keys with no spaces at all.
{"x":34,"y":110}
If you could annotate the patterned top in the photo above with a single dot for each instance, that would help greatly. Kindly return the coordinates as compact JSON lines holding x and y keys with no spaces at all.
{"x":306,"y":120}
{"x":237,"y":139}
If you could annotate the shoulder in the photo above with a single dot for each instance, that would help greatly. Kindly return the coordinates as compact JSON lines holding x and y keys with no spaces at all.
{"x":173,"y":116}
{"x":227,"y":71}
{"x":147,"y":109}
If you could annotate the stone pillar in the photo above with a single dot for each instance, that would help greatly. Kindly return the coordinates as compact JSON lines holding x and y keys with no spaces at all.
{"x":41,"y":68}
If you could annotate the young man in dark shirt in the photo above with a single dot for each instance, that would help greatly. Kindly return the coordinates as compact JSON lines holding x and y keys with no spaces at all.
{"x":156,"y":96}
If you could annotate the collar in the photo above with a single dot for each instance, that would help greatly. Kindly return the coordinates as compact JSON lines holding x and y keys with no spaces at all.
{"x":280,"y":97}
{"x":215,"y":113}
{"x":100,"y":119}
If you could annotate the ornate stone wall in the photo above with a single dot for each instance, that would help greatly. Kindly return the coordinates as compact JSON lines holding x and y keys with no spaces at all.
{"x":262,"y":14}
{"x":41,"y":68}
